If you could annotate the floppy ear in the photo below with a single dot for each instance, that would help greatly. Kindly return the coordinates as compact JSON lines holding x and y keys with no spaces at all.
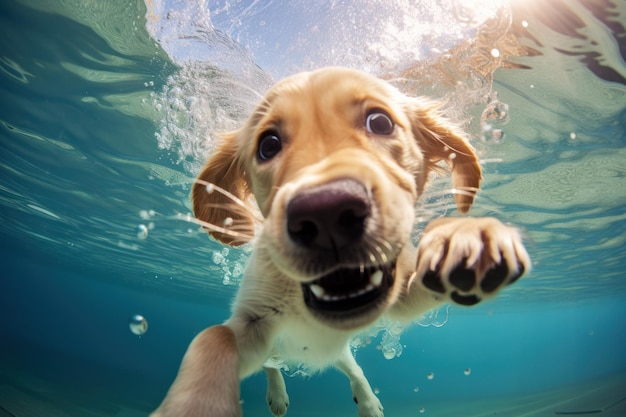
{"x":227,"y":219}
{"x":439,"y":141}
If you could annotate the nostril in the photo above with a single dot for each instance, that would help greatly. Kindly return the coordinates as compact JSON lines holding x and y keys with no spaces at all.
{"x":351,"y":222}
{"x":302,"y":231}
{"x":329,"y":216}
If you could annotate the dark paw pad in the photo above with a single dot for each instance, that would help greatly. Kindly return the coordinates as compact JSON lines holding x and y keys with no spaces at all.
{"x":463,"y":278}
{"x":465,"y":300}
{"x":494,"y":278}
{"x":432,"y":281}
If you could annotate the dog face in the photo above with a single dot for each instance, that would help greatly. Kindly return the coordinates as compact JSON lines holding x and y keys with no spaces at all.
{"x":336,"y":161}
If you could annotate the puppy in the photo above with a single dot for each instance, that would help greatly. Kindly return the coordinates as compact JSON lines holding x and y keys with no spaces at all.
{"x":336,"y":161}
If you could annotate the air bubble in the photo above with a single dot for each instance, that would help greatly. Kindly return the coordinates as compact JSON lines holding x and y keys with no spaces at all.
{"x":572,"y":136}
{"x":467,"y":371}
{"x":452,"y":156}
{"x":492,"y":135}
{"x":430,"y":375}
{"x":495,"y":53}
{"x":210,"y":188}
{"x":218,"y":258}
{"x":416,"y":389}
{"x":142,"y":231}
{"x":495,"y":111}
{"x":376,"y":391}
{"x":389,"y":353}
{"x":146,"y":214}
{"x":138,"y":324}
{"x":422,"y":410}
{"x":228,"y":221}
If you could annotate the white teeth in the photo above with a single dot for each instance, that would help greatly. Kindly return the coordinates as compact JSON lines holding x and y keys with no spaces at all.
{"x":320,"y":293}
{"x":317,"y":290}
{"x":377,"y":278}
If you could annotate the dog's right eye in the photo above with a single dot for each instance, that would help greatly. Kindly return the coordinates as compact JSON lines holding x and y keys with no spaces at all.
{"x":379,"y":123}
{"x":269,"y":146}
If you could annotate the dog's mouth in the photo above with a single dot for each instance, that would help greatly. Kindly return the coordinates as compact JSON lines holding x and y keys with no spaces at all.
{"x":348,"y":292}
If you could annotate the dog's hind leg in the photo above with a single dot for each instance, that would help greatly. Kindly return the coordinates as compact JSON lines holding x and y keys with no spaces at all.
{"x":368,"y":403}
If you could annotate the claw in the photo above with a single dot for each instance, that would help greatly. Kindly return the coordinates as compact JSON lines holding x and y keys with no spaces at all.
{"x":520,"y":271}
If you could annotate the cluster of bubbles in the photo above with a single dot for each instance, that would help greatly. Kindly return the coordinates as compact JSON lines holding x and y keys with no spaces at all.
{"x":231,"y":270}
{"x":436,"y":317}
{"x":390,"y":345}
{"x":495,"y":115}
{"x":143,"y":229}
{"x":289,"y":369}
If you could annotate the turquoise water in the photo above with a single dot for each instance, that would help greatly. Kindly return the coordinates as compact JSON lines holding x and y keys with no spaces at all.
{"x":105,"y":120}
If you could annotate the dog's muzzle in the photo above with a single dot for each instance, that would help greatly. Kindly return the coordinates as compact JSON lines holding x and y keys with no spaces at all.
{"x":329,"y":222}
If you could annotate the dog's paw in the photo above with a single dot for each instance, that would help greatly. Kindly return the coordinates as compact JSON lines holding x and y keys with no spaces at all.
{"x":276,"y":397}
{"x":278,"y":402}
{"x":368,"y":403}
{"x":469,"y":259}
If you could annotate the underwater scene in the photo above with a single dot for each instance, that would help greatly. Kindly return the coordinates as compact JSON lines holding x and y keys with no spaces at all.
{"x":109,"y":110}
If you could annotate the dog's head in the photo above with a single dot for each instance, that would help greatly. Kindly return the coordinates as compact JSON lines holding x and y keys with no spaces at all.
{"x":336,"y":160}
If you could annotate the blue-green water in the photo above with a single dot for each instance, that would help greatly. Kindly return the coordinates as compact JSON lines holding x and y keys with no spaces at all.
{"x":103,"y":127}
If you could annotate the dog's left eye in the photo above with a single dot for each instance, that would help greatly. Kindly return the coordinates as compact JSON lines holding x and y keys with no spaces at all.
{"x":269,"y":146}
{"x":379,"y":123}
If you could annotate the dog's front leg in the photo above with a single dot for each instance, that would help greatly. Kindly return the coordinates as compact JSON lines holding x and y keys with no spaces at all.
{"x":463,"y":260}
{"x":368,"y":403}
{"x":207,"y":384}
{"x":276,"y":397}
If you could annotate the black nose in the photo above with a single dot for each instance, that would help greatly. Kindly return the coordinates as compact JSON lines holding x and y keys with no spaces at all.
{"x":329,"y":216}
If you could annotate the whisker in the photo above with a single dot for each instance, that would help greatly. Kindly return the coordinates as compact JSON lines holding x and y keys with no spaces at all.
{"x":469,"y":191}
{"x":384,"y":256}
{"x":214,"y":228}
{"x":434,"y":211}
{"x":440,"y":206}
{"x":210,"y":187}
{"x":233,"y":208}
{"x":379,"y":250}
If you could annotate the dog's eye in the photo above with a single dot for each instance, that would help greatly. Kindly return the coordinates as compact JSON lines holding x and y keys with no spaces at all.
{"x":269,"y":146}
{"x":379,"y":123}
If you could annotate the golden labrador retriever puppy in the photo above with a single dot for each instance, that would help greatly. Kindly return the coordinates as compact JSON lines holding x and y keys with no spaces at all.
{"x":336,"y":161}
